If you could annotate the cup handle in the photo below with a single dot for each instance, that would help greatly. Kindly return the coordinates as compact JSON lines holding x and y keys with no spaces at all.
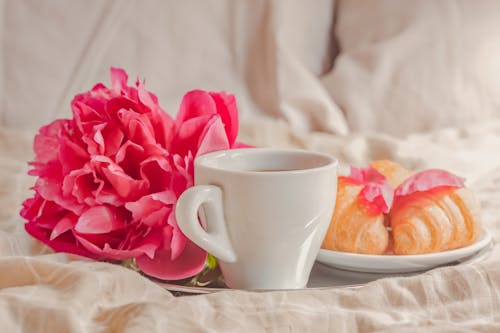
{"x":215,"y":239}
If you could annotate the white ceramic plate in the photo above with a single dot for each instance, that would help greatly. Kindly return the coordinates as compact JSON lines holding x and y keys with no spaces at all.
{"x":369,"y":263}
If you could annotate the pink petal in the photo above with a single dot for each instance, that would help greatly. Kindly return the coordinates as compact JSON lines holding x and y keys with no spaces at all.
{"x":158,"y":217}
{"x":241,"y":145}
{"x":194,"y":104}
{"x":98,"y":138}
{"x":84,"y":116}
{"x":213,"y":137}
{"x":228,"y":111}
{"x":125,"y":186}
{"x":64,"y":243}
{"x":130,"y":151}
{"x":108,"y":138}
{"x":189,"y":263}
{"x":179,"y":240}
{"x":80,"y":184}
{"x":184,"y":175}
{"x":46,"y":143}
{"x":71,"y":155}
{"x":140,"y":130}
{"x":377,"y":191}
{"x":32,"y":207}
{"x":147,"y":247}
{"x":65,"y":224}
{"x":379,"y":194}
{"x":428,"y":180}
{"x":147,"y":98}
{"x":188,"y":134}
{"x":105,"y":195}
{"x":148,"y":204}
{"x":45,"y":213}
{"x":52,"y":170}
{"x":362,"y":176}
{"x":51,"y":190}
{"x":99,"y":220}
{"x":119,"y":79}
{"x":164,"y":128}
{"x":116,"y":104}
{"x":157,"y":171}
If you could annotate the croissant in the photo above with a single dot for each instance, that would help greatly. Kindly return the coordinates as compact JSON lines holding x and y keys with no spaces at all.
{"x":433,"y":212}
{"x":358,"y":223}
{"x":394,"y":172}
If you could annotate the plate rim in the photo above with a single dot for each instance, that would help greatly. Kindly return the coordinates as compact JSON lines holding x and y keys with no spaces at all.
{"x":462,"y":252}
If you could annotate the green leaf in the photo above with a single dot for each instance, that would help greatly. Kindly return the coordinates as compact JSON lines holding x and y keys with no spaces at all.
{"x":211,"y":261}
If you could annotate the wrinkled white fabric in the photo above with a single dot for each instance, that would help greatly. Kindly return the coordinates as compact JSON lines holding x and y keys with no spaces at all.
{"x":258,"y":50}
{"x":408,"y":66}
{"x":403,"y":67}
{"x":46,"y":292}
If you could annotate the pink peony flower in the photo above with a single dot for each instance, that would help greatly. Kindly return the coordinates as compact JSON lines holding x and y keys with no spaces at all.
{"x":109,"y":178}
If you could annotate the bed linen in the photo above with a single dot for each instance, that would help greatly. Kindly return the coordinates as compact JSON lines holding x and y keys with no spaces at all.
{"x":298,"y":84}
{"x":46,"y":292}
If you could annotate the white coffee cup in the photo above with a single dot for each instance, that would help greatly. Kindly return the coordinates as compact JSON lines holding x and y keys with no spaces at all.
{"x":264,"y":213}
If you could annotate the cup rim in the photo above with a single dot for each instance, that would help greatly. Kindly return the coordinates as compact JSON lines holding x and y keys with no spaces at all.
{"x":201,"y":160}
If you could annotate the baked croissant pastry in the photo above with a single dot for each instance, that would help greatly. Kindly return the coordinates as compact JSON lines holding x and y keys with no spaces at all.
{"x":394,"y":172}
{"x":357,"y":224}
{"x":433,"y":211}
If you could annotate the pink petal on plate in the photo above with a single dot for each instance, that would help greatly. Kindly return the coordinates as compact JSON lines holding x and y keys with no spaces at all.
{"x":376,"y":189}
{"x":228,"y":111}
{"x":190,"y":262}
{"x":213,"y":137}
{"x":99,"y":220}
{"x":365,"y":175}
{"x":379,"y":194}
{"x":119,"y":79}
{"x":194,"y":104}
{"x":428,"y":180}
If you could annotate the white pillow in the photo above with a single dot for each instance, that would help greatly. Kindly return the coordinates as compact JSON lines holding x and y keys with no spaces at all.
{"x":410,"y":66}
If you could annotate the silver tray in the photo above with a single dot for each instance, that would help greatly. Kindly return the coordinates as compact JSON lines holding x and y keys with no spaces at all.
{"x":322,"y":277}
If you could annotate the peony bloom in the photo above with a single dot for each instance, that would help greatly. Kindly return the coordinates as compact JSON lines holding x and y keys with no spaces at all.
{"x":109,"y":178}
